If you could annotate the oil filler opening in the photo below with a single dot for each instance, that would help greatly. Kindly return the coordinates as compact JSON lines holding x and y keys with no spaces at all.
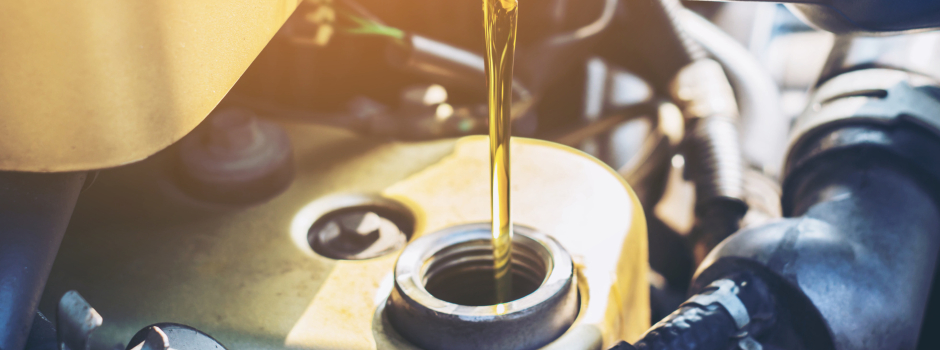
{"x":444,"y":291}
{"x":463,"y":273}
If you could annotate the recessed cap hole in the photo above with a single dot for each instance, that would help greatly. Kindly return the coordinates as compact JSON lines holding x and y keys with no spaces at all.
{"x":361,"y":232}
{"x":429,"y":273}
{"x":463,"y":274}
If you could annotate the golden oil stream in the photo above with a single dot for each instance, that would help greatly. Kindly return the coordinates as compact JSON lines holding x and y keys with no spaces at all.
{"x":499,"y":24}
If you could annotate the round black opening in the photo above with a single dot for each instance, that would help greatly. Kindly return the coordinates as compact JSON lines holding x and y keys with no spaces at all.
{"x":360,"y":232}
{"x":463,"y":274}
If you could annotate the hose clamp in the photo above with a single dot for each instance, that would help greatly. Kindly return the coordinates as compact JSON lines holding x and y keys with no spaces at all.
{"x":723,"y":292}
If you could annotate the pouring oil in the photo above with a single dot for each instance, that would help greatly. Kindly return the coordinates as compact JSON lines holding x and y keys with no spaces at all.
{"x":499,"y":23}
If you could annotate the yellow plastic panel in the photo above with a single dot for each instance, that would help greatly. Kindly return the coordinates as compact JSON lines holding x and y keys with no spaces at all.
{"x":98,"y":83}
{"x":249,"y":278}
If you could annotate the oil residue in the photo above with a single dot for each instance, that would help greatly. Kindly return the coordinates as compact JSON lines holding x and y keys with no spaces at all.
{"x":499,"y":23}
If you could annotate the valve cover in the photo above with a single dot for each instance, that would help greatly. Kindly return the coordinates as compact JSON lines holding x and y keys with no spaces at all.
{"x":142,"y":252}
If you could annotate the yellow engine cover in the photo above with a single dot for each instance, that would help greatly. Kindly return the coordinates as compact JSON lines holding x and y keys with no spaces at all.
{"x":99,"y":83}
{"x":141,"y":255}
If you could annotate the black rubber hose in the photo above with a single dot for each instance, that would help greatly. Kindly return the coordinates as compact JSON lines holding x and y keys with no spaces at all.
{"x":653,"y":27}
{"x":712,"y":327}
{"x":692,"y":327}
{"x":35,"y":209}
{"x":689,"y":328}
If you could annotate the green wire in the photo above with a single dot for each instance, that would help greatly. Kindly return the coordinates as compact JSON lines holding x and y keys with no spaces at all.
{"x":367,"y":27}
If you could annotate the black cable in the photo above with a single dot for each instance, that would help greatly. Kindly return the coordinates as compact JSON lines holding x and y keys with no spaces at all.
{"x":744,"y":298}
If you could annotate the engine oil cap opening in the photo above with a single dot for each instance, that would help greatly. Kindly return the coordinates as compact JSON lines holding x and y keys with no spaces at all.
{"x":444,"y":295}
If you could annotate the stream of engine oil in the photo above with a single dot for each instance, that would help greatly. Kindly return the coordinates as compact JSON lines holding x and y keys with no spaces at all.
{"x":499,"y":23}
